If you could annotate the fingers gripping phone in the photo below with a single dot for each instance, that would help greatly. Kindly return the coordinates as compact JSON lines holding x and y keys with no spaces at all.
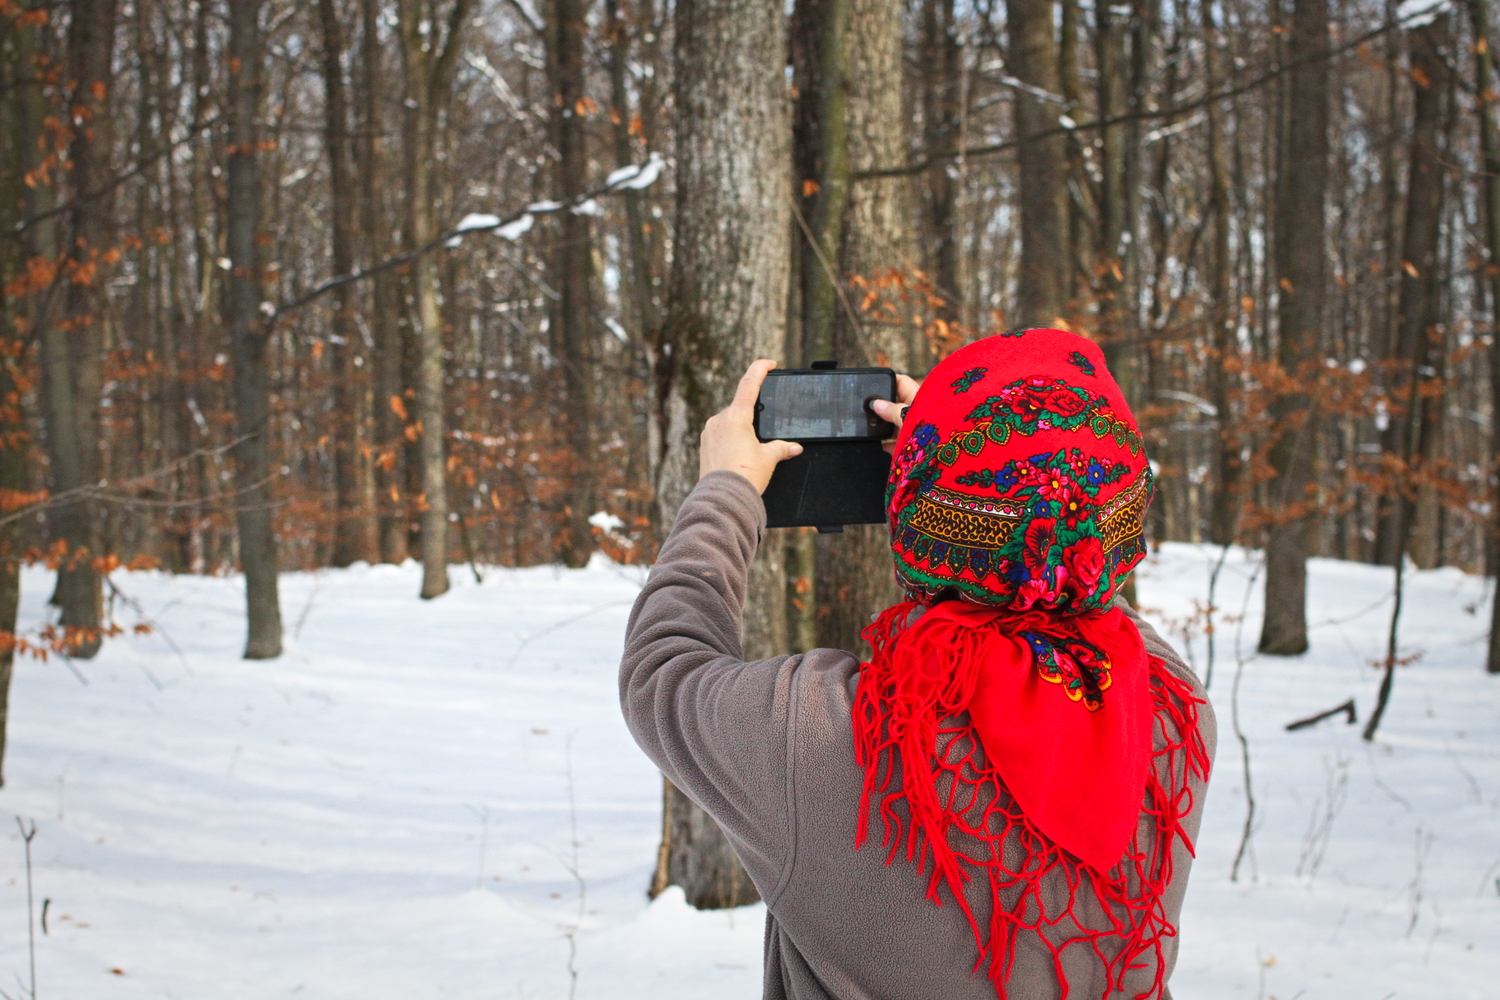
{"x":840,"y":476}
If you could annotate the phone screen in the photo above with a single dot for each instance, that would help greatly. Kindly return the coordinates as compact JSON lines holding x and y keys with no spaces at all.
{"x":829,"y":405}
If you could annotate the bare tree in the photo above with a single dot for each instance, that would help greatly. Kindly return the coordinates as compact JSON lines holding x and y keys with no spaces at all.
{"x":71,"y":344}
{"x":854,"y":575}
{"x":1417,"y":345}
{"x":726,"y":307}
{"x":248,"y":332}
{"x":1042,"y":279}
{"x":21,"y":143}
{"x":355,"y":534}
{"x":1489,"y":143}
{"x":431,"y":40}
{"x":1302,"y":275}
{"x":938,"y":58}
{"x":573,"y":324}
{"x":820,"y":152}
{"x":1223,"y":520}
{"x":384,"y":296}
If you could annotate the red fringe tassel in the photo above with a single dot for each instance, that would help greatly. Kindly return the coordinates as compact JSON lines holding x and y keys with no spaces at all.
{"x":904,"y":714}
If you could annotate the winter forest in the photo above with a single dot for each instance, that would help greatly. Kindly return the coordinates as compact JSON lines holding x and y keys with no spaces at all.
{"x":353,"y":356}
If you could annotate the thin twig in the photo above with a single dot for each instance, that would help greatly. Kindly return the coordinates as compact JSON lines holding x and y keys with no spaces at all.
{"x":307,"y":608}
{"x":146,"y":619}
{"x":621,"y":186}
{"x":113,"y":182}
{"x":1347,"y":708}
{"x":113,"y":491}
{"x":1278,"y":70}
{"x":557,"y":625}
{"x":26,"y":836}
{"x":1213,"y":585}
{"x":575,"y":870}
{"x":833,"y":278}
{"x":1234,"y":713}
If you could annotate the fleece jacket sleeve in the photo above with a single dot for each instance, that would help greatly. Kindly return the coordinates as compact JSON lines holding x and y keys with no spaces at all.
{"x":718,"y":727}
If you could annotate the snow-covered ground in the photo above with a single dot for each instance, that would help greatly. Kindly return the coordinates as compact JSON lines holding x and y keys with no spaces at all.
{"x":399,"y":806}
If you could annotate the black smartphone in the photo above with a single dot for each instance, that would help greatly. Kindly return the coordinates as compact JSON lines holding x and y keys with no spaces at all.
{"x":824,"y":404}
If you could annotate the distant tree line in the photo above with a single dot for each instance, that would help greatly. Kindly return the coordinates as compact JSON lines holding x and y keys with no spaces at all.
{"x":291,"y":285}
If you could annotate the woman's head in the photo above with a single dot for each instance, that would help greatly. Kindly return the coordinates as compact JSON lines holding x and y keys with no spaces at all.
{"x":1019,"y":478}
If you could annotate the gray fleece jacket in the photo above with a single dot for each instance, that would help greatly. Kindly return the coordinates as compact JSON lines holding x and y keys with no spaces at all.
{"x":767,"y":749}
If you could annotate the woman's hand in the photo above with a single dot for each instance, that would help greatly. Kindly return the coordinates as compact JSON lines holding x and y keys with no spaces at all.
{"x":729,"y":444}
{"x":895,"y":412}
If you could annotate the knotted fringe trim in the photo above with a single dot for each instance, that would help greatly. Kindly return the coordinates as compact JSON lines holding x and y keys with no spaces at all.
{"x":904,"y":693}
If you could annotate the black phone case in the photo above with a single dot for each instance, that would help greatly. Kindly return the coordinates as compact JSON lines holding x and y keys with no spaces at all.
{"x":888,"y":429}
{"x":829,"y":485}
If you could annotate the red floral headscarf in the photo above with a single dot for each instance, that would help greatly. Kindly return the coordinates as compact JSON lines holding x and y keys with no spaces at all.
{"x":1014,"y":700}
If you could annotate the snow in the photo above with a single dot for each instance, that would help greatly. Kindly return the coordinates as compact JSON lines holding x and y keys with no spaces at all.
{"x":637,"y":177}
{"x":605,"y":521}
{"x":512,"y":230}
{"x":388,"y":810}
{"x":477,"y":220}
{"x":1415,"y":13}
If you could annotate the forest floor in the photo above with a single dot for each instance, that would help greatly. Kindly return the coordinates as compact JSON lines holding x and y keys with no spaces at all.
{"x":439,"y":799}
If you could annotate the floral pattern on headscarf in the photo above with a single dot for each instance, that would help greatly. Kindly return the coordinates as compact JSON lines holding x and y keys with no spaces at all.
{"x":1033,"y":497}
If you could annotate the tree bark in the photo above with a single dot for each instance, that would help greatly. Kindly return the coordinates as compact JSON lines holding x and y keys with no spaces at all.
{"x":1489,"y":148}
{"x":941,"y":111}
{"x":354,"y":535}
{"x":248,"y":334}
{"x":572,"y":327}
{"x":1222,"y":370}
{"x":385,"y":301}
{"x":823,"y":104}
{"x":1075,"y":182}
{"x":726,"y":307}
{"x":640,"y":277}
{"x":854,"y":575}
{"x":1301,"y":253}
{"x":1042,"y":276}
{"x":430,"y":45}
{"x":1413,"y":350}
{"x":820,"y":136}
{"x":71,"y":349}
{"x":1109,"y":57}
{"x":22,"y":107}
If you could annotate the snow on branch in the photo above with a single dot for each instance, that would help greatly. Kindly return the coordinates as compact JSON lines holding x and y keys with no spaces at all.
{"x":636,"y":177}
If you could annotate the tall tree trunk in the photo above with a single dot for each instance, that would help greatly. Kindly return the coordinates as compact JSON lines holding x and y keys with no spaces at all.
{"x":71,"y":374}
{"x":1222,"y":373}
{"x":640,"y":277}
{"x":822,"y":107}
{"x":941,"y":111}
{"x":1075,"y":183}
{"x":1302,"y":274}
{"x":1042,"y":277}
{"x":820,"y":136}
{"x":354,"y":536}
{"x":430,"y":46}
{"x":1109,"y":58}
{"x":249,"y":335}
{"x":726,"y":307}
{"x":1417,"y":314}
{"x":1489,"y":147}
{"x":854,"y":575}
{"x":385,"y":298}
{"x":572,"y":325}
{"x":22,"y":107}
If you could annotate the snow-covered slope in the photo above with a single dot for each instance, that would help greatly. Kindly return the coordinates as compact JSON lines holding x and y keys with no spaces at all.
{"x":391,"y":809}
